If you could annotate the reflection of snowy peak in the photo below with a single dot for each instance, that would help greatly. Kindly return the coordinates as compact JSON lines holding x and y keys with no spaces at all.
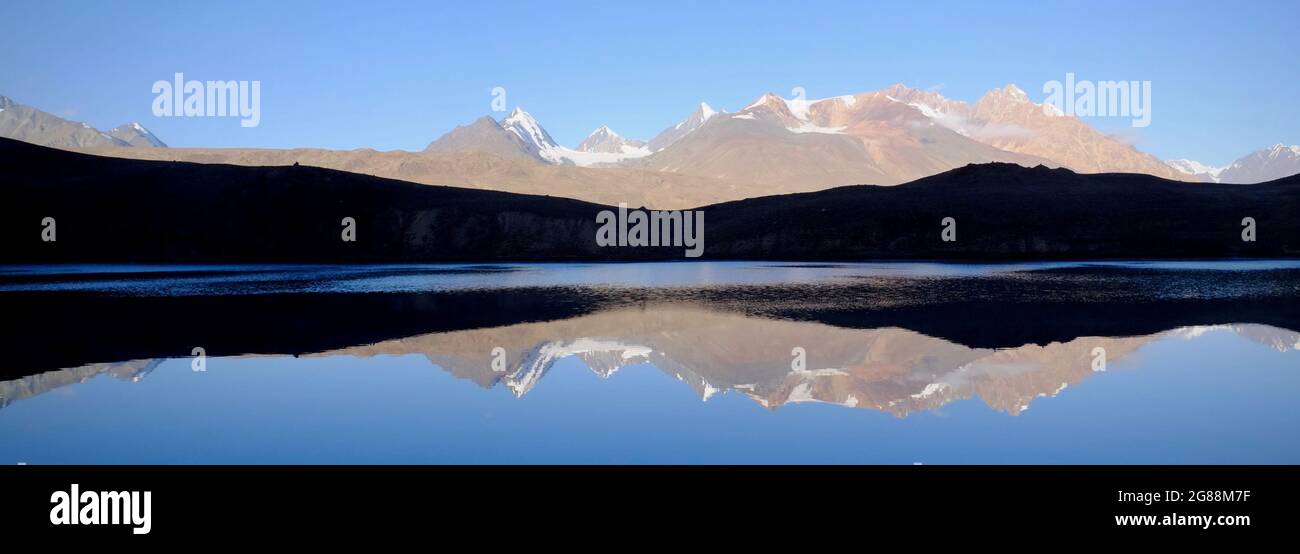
{"x":27,"y":387}
{"x":602,"y":356}
{"x":888,"y":369}
{"x":605,"y":141}
{"x":1281,"y":340}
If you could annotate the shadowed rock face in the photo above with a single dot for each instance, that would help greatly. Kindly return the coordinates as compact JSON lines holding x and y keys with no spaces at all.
{"x":889,"y":369}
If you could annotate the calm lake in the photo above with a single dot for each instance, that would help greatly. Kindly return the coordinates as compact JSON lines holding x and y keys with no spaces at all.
{"x":692,"y":362}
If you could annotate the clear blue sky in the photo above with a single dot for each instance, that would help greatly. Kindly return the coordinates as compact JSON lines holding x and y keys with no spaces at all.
{"x":394,"y":75}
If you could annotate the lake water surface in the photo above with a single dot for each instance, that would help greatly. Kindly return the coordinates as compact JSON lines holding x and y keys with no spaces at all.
{"x":736,"y":362}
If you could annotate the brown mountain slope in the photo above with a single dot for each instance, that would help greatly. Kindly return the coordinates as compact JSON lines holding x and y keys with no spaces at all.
{"x":811,"y":145}
{"x":483,"y":135}
{"x":481,"y":170}
{"x":892,"y":136}
{"x":1064,"y":139}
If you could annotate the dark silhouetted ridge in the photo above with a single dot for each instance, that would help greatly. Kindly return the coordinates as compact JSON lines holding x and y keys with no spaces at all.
{"x":119,"y":210}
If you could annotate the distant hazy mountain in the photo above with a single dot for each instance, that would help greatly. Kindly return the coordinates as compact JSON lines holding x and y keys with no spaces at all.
{"x":29,"y":124}
{"x":135,"y":134}
{"x":483,"y":135}
{"x":605,"y":141}
{"x":603,"y":147}
{"x":1203,"y":172}
{"x":1264,"y":165}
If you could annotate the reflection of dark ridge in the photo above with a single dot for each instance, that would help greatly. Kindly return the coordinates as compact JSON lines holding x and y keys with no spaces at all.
{"x":1120,"y":270}
{"x":804,"y":266}
{"x":61,"y":330}
{"x":1013,"y":309}
{"x":291,"y":274}
{"x":66,"y":329}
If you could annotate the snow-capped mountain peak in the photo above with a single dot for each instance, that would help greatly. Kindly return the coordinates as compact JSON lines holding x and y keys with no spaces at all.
{"x":527,"y":127}
{"x":1280,"y":149}
{"x":604,"y":131}
{"x":534,"y":137}
{"x":29,"y":124}
{"x":702,"y":114}
{"x":1193,"y":167}
{"x":795,"y":114}
{"x":1271,"y":163}
{"x":605,"y":141}
{"x":770,"y":101}
{"x":136,"y":135}
{"x":602,"y":147}
{"x":706,"y":111}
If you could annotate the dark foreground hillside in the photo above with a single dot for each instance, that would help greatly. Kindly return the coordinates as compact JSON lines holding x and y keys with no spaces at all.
{"x":119,"y":210}
{"x":131,"y":211}
{"x":1005,"y":211}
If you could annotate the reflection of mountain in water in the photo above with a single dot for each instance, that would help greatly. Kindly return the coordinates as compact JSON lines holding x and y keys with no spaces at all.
{"x":27,"y":387}
{"x":889,"y":369}
{"x":1281,"y":340}
{"x":72,"y":320}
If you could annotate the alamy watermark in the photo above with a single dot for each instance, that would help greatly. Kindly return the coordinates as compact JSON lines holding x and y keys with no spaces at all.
{"x":498,"y":103}
{"x":652,"y":228}
{"x":181,"y":98}
{"x":77,"y":507}
{"x":1099,"y":99}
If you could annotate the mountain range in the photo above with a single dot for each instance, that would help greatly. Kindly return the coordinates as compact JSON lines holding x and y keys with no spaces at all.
{"x":1268,"y":164}
{"x":774,"y":145}
{"x":29,"y":124}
